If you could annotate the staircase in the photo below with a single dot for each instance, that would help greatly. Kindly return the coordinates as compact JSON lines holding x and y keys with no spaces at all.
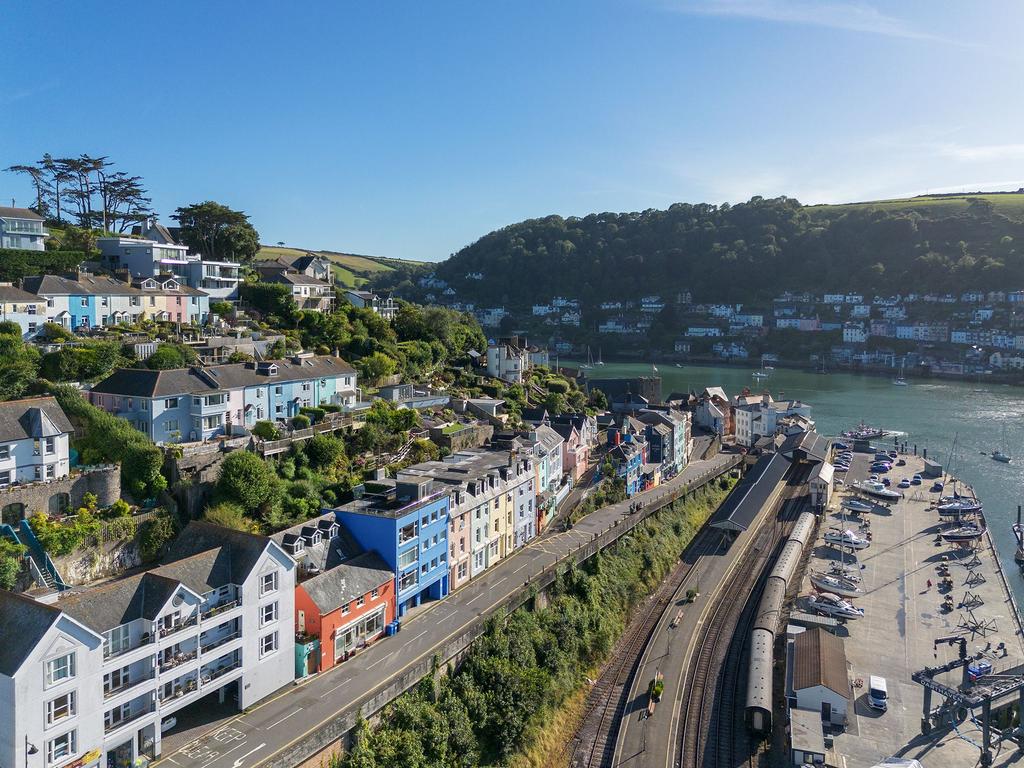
{"x":43,"y":570}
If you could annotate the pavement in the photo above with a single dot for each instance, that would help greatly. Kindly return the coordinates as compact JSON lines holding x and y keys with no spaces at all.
{"x":652,"y":742}
{"x":902,"y":618}
{"x":255,"y":736}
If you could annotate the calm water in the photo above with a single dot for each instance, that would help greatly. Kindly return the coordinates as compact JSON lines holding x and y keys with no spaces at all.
{"x":930,"y":413}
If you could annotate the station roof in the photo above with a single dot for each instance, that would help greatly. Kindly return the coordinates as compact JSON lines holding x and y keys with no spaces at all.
{"x":746,"y":500}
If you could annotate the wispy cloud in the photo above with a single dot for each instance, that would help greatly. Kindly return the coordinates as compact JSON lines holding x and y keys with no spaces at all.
{"x":853,"y":17}
{"x":16,"y":95}
{"x":982,"y":153}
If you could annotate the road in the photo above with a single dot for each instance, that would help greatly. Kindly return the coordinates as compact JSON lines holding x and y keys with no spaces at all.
{"x":652,"y":742}
{"x":256,"y":736}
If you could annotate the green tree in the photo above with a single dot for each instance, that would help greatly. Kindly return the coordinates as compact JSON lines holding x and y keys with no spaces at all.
{"x":228,"y":515}
{"x":169,"y":356}
{"x":246,"y":480}
{"x":19,"y":366}
{"x":217,"y":232}
{"x":376,"y":366}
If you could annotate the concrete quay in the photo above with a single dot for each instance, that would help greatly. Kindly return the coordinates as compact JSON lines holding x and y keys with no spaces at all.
{"x":903,"y":616}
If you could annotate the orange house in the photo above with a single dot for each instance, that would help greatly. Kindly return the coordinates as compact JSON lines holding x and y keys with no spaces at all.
{"x":346,"y":608}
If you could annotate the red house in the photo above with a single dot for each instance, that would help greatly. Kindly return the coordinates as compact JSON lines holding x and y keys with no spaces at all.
{"x":347,"y":607}
{"x":344,"y":596}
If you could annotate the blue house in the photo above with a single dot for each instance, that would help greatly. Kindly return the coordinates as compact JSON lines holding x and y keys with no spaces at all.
{"x":406,"y":521}
{"x":627,"y":458}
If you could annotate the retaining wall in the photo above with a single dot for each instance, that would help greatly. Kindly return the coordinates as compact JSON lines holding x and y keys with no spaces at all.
{"x":103,"y":481}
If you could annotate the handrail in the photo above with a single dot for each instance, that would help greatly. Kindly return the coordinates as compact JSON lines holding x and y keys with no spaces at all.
{"x":40,"y":552}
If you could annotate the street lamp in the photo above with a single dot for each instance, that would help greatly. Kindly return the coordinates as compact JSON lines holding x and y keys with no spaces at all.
{"x":30,"y":749}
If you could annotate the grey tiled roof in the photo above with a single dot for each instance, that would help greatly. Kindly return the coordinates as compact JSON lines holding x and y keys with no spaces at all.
{"x":33,"y":417}
{"x":6,"y":212}
{"x":8,"y":293}
{"x":142,"y":382}
{"x":347,"y":581}
{"x":295,"y":278}
{"x":23,"y":623}
{"x":240,"y":550}
{"x":110,"y":605}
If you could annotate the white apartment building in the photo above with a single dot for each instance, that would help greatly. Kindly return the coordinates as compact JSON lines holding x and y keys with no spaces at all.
{"x":34,"y":441}
{"x":89,"y":678}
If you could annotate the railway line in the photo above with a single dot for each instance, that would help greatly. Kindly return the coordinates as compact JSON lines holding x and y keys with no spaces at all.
{"x":594,"y":743}
{"x":712,"y":691}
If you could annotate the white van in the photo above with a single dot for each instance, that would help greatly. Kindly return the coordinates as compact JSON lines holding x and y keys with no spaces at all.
{"x":878,"y":695}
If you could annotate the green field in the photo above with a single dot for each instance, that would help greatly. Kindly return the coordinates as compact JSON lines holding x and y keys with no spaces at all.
{"x":1009,"y":204}
{"x":351,"y":270}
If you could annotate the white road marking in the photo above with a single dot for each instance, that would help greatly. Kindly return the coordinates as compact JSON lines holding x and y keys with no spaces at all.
{"x":524,"y":565}
{"x":293,"y":714}
{"x":241,"y":760}
{"x":378,"y":661}
{"x":346,"y":681}
{"x":470,"y":602}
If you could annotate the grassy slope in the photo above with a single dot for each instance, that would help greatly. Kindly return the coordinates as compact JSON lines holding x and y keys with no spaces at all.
{"x":351,"y":270}
{"x":1010,"y":204}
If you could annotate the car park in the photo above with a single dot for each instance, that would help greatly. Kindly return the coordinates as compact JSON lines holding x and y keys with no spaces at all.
{"x":904,"y":483}
{"x":916,"y":480}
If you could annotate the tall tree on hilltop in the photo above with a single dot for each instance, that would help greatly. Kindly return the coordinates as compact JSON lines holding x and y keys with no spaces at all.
{"x":38,"y":178}
{"x":59,"y":174}
{"x":217,"y":232}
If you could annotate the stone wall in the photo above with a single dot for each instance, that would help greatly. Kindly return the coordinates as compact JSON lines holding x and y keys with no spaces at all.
{"x":66,"y":494}
{"x":109,"y":559}
{"x":473,"y":436}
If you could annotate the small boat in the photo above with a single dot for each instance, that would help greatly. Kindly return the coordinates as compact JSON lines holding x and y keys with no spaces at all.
{"x":846,"y":538}
{"x":838,"y":585}
{"x":833,"y":605}
{"x":1018,"y":534}
{"x":899,"y":381}
{"x":959,"y":506}
{"x":864,"y":432}
{"x":679,"y":365}
{"x":876,"y":489}
{"x":760,"y":375}
{"x":1000,"y":457}
{"x":599,"y":361}
{"x":858,"y":506}
{"x":966,"y":532}
{"x":849,"y":573}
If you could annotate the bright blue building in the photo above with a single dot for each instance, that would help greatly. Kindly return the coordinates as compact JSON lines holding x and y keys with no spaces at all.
{"x":407,"y":523}
{"x":627,"y":458}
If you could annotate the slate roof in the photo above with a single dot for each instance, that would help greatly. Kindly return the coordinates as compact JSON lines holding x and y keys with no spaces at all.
{"x":6,"y":212}
{"x":142,"y":382}
{"x":32,"y":417}
{"x":16,"y":295}
{"x":117,"y":602}
{"x":347,"y":581}
{"x":820,"y":659}
{"x":742,"y":505}
{"x":83,"y":285}
{"x":237,"y":551}
{"x":548,"y":437}
{"x":535,"y":415}
{"x":23,"y":624}
{"x":811,"y":443}
{"x":329,"y":552}
{"x":295,"y":278}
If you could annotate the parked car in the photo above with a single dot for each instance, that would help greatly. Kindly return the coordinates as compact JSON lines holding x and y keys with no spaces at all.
{"x":916,"y":480}
{"x":168,"y":723}
{"x":904,"y":483}
{"x":937,"y":487}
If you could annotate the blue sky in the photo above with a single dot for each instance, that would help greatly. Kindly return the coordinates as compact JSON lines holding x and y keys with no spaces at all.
{"x":412,"y":129}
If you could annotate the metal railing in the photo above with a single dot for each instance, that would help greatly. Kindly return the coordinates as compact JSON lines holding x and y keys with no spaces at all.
{"x":168,"y":631}
{"x":130,"y":719}
{"x":145,"y":638}
{"x":208,"y":677}
{"x":222,"y":641}
{"x":109,"y":694}
{"x":213,"y":610}
{"x":178,"y":659}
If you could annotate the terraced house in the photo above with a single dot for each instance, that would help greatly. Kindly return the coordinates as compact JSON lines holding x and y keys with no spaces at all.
{"x":83,"y":300}
{"x":25,"y":309}
{"x":90,"y":678}
{"x":191,"y":404}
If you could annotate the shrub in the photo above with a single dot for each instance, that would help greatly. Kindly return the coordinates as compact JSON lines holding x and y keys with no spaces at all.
{"x":16,"y":263}
{"x":60,"y":538}
{"x":331,"y":408}
{"x":222,"y":308}
{"x":229,"y":515}
{"x":119,"y":508}
{"x":122,"y":528}
{"x":315,"y":414}
{"x":11,"y":555}
{"x":246,"y":480}
{"x":300,"y":421}
{"x":10,"y":328}
{"x":265,"y":430}
{"x":324,"y":450}
{"x":156,"y":533}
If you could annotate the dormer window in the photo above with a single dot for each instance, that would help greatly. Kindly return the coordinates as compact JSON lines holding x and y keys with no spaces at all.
{"x":298,"y":546}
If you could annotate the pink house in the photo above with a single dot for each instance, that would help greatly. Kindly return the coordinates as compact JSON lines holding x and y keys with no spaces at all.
{"x":575,"y":451}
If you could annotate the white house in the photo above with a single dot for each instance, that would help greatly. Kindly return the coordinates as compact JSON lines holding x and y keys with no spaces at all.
{"x":35,"y":441}
{"x":22,"y":228}
{"x":817,"y":675}
{"x":25,"y":309}
{"x":511,"y":357}
{"x":384,"y":306}
{"x":90,"y":677}
{"x":854,"y":333}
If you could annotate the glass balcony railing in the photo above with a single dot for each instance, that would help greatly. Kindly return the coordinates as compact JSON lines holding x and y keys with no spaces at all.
{"x":171,"y":661}
{"x":142,"y":712}
{"x":168,"y":631}
{"x":109,"y":693}
{"x":207,"y":647}
{"x":213,"y":610}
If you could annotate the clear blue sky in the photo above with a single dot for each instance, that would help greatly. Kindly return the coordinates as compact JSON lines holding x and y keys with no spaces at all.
{"x":413,"y":130}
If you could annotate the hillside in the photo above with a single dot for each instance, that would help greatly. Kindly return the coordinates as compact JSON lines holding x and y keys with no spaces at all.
{"x":351,"y":270}
{"x":749,"y":252}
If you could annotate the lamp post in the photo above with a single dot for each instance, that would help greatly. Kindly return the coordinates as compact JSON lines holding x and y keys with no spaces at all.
{"x":30,"y":749}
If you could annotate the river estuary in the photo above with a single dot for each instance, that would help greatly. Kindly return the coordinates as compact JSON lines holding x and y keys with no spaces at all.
{"x":981,"y":415}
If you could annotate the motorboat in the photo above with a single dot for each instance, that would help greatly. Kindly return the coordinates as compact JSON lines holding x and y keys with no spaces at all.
{"x":836,"y":584}
{"x":857,"y":506}
{"x":1000,"y":457}
{"x":876,"y":489}
{"x":864,"y":432}
{"x":966,"y":532}
{"x":831,"y":604}
{"x":846,"y":538}
{"x":760,"y":375}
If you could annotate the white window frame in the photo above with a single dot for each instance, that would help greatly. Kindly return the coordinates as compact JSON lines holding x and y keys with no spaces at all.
{"x":264,"y":588}
{"x":69,"y":703}
{"x":268,"y":644}
{"x":70,"y":747}
{"x":117,"y":640}
{"x":51,"y":666}
{"x":268,"y":617}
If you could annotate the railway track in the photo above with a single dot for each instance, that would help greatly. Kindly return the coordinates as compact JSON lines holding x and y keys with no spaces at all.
{"x":712,"y":733}
{"x":594,"y":744}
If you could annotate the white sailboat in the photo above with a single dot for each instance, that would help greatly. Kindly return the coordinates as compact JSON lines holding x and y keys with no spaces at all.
{"x":599,"y":360}
{"x":761,"y":374}
{"x":590,"y":359}
{"x":999,"y":454}
{"x":899,"y":381}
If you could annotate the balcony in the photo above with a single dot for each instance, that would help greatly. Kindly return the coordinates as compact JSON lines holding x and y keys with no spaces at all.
{"x":168,"y":631}
{"x":179,"y":688}
{"x":145,"y":639}
{"x":219,"y":608}
{"x":210,"y":675}
{"x":177,"y":659}
{"x":147,"y":710}
{"x":207,"y":647}
{"x":111,"y":693}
